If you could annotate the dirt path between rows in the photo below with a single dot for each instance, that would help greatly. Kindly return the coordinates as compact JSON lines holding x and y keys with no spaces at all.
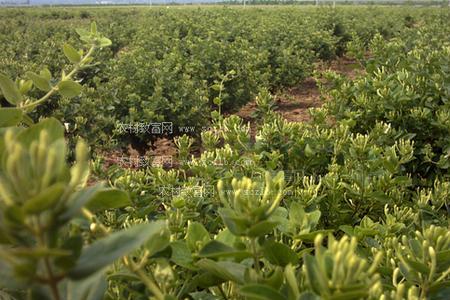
{"x":293,"y":103}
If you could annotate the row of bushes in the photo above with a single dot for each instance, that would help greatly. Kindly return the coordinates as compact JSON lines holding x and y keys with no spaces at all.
{"x":166,"y":64}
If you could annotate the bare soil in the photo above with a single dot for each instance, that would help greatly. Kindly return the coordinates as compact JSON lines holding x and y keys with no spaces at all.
{"x":293,"y":103}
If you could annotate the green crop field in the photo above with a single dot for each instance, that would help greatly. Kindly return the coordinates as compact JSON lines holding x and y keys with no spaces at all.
{"x":222,"y":152}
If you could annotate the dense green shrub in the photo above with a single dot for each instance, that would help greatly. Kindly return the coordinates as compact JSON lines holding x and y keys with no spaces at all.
{"x":45,"y":204}
{"x":407,"y":86}
{"x":348,"y":206}
{"x":164,"y":63}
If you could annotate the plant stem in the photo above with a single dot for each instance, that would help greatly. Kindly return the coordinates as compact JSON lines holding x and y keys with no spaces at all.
{"x":41,"y":100}
{"x":255,"y":255}
{"x":77,"y":67}
{"x":92,"y":218}
{"x":152,"y":286}
{"x":424,"y":291}
{"x":53,"y":282}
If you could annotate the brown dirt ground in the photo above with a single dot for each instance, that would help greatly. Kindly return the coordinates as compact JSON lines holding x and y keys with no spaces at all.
{"x":163,"y":148}
{"x":293,"y":103}
{"x":246,"y":114}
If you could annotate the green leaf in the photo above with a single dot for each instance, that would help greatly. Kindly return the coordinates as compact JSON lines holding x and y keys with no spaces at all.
{"x":224,"y":269}
{"x":440,"y":290}
{"x":74,"y":244}
{"x":159,"y":243}
{"x":308,"y":151}
{"x":407,"y":272}
{"x":14,"y":216}
{"x":9,"y":90}
{"x":45,"y":73}
{"x":53,"y":127}
{"x":46,"y":199}
{"x":216,"y":87}
{"x":416,"y":247}
{"x":181,"y":255}
{"x":83,"y":33}
{"x":108,"y":199}
{"x":308,"y":296}
{"x":443,"y":256}
{"x":260,"y":291}
{"x":79,"y":200}
{"x":261,"y":228}
{"x":40,"y":81}
{"x":71,"y":53}
{"x":226,"y":237}
{"x":196,"y":236}
{"x":205,"y":280}
{"x":25,"y":86}
{"x":347,"y":229}
{"x":4,"y":237}
{"x":105,"y":251}
{"x":38,"y":292}
{"x":90,"y":288}
{"x":279,"y":254}
{"x":104,"y":42}
{"x":418,"y":266}
{"x":10,"y":116}
{"x":27,"y":120}
{"x":235,"y":224}
{"x":216,"y":249}
{"x":93,"y":28}
{"x":69,"y":88}
{"x":360,"y":294}
{"x":7,"y":278}
{"x":215,"y":114}
{"x":315,"y":278}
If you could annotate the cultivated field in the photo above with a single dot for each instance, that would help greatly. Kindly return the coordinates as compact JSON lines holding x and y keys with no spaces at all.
{"x":221,"y":152}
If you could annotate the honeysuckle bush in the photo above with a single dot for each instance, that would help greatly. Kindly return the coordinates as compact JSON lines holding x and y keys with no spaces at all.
{"x":323,"y":210}
{"x":51,"y":244}
{"x":406,"y":84}
{"x":358,"y":228}
{"x":163,"y":63}
{"x":320,"y":210}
